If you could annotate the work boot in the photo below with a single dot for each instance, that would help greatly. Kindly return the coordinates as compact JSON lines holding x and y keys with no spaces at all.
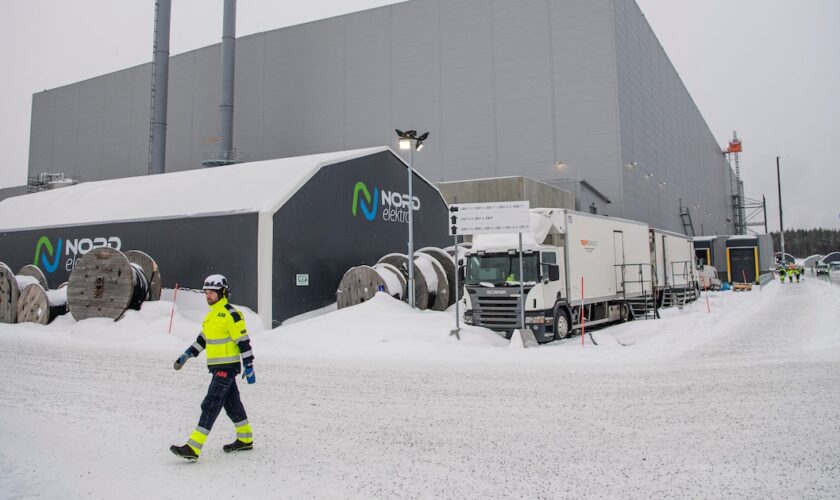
{"x":184,"y":452}
{"x":237,"y":446}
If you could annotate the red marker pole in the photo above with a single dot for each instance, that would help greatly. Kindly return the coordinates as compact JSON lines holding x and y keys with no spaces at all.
{"x":172,"y":313}
{"x":582,"y":315}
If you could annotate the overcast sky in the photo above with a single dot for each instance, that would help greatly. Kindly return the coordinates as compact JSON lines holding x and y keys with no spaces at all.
{"x":769,"y":69}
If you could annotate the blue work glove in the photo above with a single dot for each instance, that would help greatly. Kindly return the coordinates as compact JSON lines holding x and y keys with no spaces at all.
{"x":182,"y":359}
{"x":249,"y":374}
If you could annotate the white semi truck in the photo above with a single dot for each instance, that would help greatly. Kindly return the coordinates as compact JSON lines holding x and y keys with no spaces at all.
{"x":576,"y":266}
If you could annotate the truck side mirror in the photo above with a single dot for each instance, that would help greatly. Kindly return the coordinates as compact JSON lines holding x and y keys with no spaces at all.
{"x":554,"y":273}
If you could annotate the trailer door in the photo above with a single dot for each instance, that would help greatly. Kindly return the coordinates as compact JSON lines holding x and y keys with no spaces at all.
{"x":618,"y":249}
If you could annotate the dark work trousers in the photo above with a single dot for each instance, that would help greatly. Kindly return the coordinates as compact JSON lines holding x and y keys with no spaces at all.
{"x":221,"y":393}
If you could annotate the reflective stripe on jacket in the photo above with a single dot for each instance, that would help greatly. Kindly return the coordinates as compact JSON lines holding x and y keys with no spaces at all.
{"x":224,"y":336}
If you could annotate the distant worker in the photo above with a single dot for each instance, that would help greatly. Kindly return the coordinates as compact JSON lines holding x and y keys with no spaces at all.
{"x":782,"y":275}
{"x":224,"y":336}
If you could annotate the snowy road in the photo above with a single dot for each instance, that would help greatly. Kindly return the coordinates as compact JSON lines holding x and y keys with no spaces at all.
{"x":740,"y":402}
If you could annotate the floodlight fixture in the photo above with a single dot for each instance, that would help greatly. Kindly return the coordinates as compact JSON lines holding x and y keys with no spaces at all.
{"x":409,"y":140}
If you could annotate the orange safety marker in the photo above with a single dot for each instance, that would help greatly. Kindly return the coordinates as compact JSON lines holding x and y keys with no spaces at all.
{"x":172,"y":313}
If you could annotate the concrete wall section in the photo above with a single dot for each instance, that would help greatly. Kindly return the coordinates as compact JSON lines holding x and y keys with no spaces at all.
{"x":507,"y":189}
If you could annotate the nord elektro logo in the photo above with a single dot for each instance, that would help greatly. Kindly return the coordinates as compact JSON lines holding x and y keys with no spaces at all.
{"x":394,"y":205}
{"x":49,"y":256}
{"x":50,"y":267}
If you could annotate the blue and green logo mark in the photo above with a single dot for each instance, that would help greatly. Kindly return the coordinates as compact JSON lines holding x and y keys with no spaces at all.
{"x":369,"y":208}
{"x":54,"y":253}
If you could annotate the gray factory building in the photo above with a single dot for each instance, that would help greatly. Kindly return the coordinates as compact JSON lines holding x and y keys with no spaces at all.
{"x":557,"y":91}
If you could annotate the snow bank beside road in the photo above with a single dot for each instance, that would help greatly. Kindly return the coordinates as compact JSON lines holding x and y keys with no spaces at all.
{"x":380,"y":327}
{"x":387,"y":329}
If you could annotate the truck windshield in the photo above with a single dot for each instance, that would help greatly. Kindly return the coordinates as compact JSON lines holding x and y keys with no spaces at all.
{"x":499,"y":269}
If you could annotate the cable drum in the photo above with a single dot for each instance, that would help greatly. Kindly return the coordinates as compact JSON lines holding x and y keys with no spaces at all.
{"x":389,"y":273}
{"x":360,"y":284}
{"x":104,"y":284}
{"x":150,"y":269}
{"x":436,"y":282}
{"x":8,"y":295}
{"x":141,"y":287}
{"x":37,"y":305}
{"x":11,"y":285}
{"x":421,"y":289}
{"x":448,"y":264}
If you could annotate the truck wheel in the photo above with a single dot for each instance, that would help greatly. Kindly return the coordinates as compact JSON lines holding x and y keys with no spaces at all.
{"x":625,"y":314}
{"x":561,"y":324}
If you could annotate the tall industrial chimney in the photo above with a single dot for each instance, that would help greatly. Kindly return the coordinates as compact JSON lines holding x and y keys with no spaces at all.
{"x":160,"y":88}
{"x":228,"y":68}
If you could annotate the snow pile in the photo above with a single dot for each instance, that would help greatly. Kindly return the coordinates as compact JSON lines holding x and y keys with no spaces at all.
{"x":385,"y":328}
{"x":146,"y":329}
{"x":382,"y":327}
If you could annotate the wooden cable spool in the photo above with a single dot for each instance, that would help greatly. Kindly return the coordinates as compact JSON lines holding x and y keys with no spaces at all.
{"x":8,"y":295}
{"x":150,"y":269}
{"x":448,"y":264}
{"x":11,"y":286}
{"x":37,"y":305}
{"x":34,"y":272}
{"x":360,"y":284}
{"x":388,"y":270}
{"x":104,"y":284}
{"x":437,"y":285}
{"x":421,"y":290}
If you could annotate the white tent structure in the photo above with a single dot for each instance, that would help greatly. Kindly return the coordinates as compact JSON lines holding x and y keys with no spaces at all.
{"x":283,"y":231}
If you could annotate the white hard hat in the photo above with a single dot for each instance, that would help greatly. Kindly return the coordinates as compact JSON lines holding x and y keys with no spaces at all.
{"x":215,"y":282}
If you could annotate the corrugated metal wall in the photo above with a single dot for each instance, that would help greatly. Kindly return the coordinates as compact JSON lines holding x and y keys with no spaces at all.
{"x":664,"y":133}
{"x":506,"y":88}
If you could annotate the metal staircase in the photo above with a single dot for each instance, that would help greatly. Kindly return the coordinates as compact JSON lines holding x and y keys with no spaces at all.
{"x":679,"y":296}
{"x":642,"y":306}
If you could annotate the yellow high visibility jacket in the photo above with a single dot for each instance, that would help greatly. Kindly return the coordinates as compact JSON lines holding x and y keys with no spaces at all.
{"x":224,"y":336}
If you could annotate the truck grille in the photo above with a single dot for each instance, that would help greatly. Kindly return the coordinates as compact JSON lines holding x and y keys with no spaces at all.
{"x":497,"y":312}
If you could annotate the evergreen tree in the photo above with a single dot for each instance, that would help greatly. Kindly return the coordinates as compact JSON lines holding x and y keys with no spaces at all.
{"x":804,"y":242}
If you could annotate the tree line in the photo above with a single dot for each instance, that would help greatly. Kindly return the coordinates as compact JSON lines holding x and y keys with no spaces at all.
{"x":804,"y":242}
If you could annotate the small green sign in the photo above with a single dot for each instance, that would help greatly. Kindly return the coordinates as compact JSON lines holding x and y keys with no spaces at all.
{"x":302,"y":280}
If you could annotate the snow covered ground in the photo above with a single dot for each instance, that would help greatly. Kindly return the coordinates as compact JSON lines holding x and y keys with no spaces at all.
{"x":377,"y":401}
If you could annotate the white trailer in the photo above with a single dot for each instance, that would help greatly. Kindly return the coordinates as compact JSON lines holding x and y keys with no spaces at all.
{"x":576,"y":265}
{"x":672,"y":257}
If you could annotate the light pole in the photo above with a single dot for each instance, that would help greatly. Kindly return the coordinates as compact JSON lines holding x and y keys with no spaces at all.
{"x":781,"y":222}
{"x":412,"y":142}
